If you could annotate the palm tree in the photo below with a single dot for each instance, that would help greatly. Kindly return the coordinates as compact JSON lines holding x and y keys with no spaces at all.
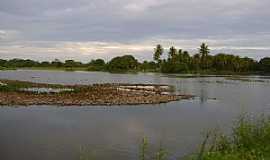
{"x":186,"y":57}
{"x":172,"y":53}
{"x":158,"y":53}
{"x":196,"y":62}
{"x":204,"y":51}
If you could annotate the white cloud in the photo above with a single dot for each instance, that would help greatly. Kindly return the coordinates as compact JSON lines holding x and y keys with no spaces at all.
{"x":142,"y":49}
{"x":142,"y":6}
{"x":9,"y":35}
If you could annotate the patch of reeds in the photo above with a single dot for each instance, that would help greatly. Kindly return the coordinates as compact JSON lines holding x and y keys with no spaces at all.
{"x":250,"y":140}
{"x":145,"y":154}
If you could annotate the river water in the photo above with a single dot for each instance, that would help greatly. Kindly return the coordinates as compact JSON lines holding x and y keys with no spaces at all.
{"x":115,"y":132}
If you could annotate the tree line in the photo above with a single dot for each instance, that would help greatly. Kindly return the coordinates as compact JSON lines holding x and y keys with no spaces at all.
{"x":177,"y":61}
{"x":180,"y":61}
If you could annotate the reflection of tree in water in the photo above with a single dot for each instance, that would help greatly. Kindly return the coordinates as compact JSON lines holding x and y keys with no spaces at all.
{"x":203,"y":91}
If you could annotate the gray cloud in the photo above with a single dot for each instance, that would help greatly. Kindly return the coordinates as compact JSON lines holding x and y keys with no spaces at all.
{"x":78,"y":29}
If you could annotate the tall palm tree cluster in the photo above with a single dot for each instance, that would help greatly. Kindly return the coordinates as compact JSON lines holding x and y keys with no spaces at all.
{"x":179,"y":61}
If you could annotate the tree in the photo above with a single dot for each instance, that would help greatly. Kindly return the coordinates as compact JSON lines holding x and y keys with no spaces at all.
{"x":148,"y":66}
{"x":195,"y":62}
{"x":3,"y":62}
{"x":97,"y":62}
{"x":96,"y":65}
{"x":70,"y":63}
{"x":186,"y":57}
{"x":158,"y":53}
{"x":172,"y":55}
{"x":45,"y":64}
{"x":265,"y":64}
{"x":57,"y":63}
{"x":204,"y":51}
{"x":122,"y":64}
{"x":173,"y":67}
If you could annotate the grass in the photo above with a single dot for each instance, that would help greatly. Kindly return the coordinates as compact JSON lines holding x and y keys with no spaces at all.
{"x":161,"y":154}
{"x":250,"y":140}
{"x":13,"y":86}
{"x":6,"y":68}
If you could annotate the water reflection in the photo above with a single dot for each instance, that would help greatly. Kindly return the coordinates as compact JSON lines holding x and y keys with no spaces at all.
{"x":203,"y":94}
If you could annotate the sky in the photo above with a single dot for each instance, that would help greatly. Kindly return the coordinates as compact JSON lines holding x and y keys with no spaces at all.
{"x":89,"y":29}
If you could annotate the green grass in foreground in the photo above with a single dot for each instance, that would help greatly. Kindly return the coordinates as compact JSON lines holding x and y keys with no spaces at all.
{"x":250,"y":140}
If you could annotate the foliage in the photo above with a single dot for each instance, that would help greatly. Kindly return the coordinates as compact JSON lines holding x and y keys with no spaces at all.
{"x":13,"y":86}
{"x":86,"y":154}
{"x":143,"y":149}
{"x":57,"y":63}
{"x":148,"y":66}
{"x":203,"y":62}
{"x":122,"y":64}
{"x":161,"y":154}
{"x":250,"y":140}
{"x":96,"y":65}
{"x":177,"y":61}
{"x":158,"y":53}
{"x":174,"y":67}
{"x":205,"y":59}
{"x":265,"y":64}
{"x":72,"y":63}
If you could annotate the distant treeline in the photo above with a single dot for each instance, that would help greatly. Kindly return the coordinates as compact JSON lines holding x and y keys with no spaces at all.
{"x":177,"y":61}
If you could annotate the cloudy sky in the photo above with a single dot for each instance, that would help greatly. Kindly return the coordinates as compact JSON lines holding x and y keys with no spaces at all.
{"x":86,"y":29}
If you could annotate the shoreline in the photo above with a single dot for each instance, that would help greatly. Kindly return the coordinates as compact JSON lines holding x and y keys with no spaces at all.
{"x":84,"y":69}
{"x":21,"y":93}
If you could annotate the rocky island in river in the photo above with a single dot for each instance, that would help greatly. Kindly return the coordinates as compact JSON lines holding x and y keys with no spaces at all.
{"x":28,"y":93}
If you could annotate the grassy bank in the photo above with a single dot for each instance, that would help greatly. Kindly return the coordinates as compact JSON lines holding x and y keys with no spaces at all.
{"x":6,"y":68}
{"x":132,"y":71}
{"x":250,"y":140}
{"x":55,"y":68}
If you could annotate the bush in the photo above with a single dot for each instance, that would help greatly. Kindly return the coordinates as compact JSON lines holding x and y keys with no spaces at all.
{"x":122,"y":64}
{"x":250,"y":140}
{"x":170,"y":67}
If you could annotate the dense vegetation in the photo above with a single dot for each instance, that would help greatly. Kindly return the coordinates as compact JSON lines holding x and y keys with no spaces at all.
{"x":177,"y":61}
{"x":180,"y":61}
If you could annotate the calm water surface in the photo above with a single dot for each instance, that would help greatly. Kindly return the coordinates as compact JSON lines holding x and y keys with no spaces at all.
{"x":58,"y":133}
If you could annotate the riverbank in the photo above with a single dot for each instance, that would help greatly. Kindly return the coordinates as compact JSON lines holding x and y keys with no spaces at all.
{"x":249,"y":140}
{"x":27,"y":93}
{"x":193,"y":73}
